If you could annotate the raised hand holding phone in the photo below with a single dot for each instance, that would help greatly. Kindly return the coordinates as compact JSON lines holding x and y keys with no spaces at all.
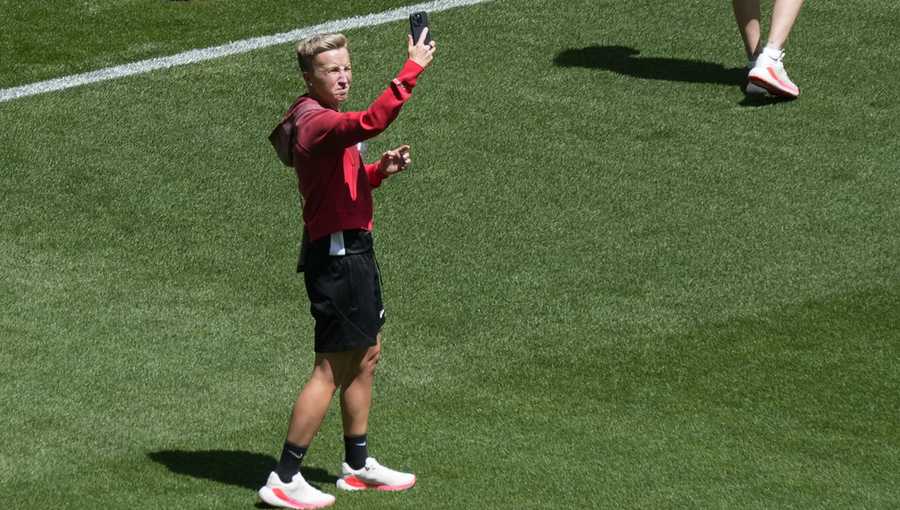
{"x":421,"y":46}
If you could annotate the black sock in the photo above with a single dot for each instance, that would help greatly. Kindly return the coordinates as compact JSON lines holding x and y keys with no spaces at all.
{"x":289,"y":465}
{"x":356,"y":451}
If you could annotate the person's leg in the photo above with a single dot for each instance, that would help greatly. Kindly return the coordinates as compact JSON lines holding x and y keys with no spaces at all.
{"x":286,"y":486}
{"x":747,"y":15}
{"x":769,"y":72}
{"x":356,"y":400}
{"x":356,"y":390}
{"x":784,"y":14}
{"x":360,"y":471}
{"x":313,"y":401}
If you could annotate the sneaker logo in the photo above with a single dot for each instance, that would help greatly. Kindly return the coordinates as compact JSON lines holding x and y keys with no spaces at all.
{"x":296,"y":455}
{"x":360,"y":444}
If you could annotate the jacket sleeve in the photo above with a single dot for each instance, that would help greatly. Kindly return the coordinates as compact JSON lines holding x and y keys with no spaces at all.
{"x":326,"y":129}
{"x":375,"y":177}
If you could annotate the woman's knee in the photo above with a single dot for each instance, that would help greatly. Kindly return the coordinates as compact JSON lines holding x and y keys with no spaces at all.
{"x":328,"y":369}
{"x":371,"y":358}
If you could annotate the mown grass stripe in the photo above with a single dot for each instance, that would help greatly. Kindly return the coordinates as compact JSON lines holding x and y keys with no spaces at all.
{"x":232,"y":48}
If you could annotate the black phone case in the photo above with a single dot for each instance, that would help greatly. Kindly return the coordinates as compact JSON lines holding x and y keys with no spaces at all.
{"x":418,"y":21}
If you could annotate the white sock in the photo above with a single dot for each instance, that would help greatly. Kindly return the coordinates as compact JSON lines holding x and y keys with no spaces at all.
{"x":772,"y":53}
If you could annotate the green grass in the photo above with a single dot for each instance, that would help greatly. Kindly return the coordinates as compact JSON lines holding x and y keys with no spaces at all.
{"x":51,"y":39}
{"x":610,"y":281}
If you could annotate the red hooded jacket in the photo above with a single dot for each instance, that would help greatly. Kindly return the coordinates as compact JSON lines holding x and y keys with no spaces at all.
{"x":335,"y":184}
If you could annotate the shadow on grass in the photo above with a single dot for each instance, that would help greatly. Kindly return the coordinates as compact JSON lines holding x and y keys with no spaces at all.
{"x":627,"y":61}
{"x":757,"y":101}
{"x":243,"y":469}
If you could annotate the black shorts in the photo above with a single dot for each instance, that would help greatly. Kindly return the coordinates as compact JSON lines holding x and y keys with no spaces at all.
{"x":344,"y":293}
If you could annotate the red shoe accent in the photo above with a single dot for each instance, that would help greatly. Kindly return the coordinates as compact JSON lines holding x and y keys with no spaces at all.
{"x":396,"y":487}
{"x":356,"y":483}
{"x":786,"y":90}
{"x":787,"y":86}
{"x":280,"y":494}
{"x":791,"y":89}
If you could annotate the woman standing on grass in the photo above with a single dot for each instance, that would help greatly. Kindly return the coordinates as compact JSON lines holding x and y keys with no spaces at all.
{"x":338,"y":261}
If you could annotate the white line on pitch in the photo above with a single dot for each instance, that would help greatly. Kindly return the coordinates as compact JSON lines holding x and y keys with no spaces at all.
{"x":232,"y":48}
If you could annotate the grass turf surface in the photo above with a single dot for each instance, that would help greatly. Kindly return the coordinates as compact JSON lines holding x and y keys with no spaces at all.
{"x":611,"y":281}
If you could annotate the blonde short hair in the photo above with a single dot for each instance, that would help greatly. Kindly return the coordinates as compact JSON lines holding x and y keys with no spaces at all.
{"x":307,"y":49}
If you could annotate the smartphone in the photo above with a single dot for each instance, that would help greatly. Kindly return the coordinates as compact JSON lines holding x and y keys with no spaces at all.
{"x":417,"y":22}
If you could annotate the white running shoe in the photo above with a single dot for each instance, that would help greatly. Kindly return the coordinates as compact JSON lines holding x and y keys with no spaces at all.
{"x":374,"y":476}
{"x":297,"y":494}
{"x":769,"y":73}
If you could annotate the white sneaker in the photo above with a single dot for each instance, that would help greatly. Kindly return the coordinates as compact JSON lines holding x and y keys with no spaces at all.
{"x":769,"y":73}
{"x":374,"y":476}
{"x":297,"y":494}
